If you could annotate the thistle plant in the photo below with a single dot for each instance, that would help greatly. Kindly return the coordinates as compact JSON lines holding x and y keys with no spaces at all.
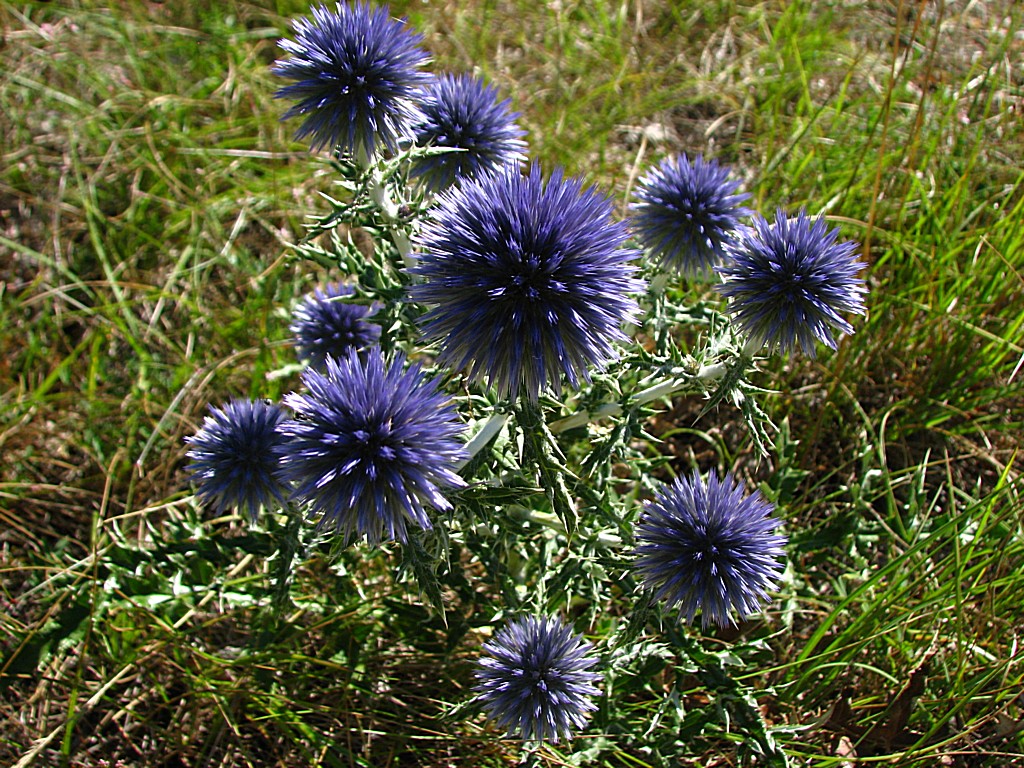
{"x":234,"y":461}
{"x":464,"y":114}
{"x":535,"y":681}
{"x":709,"y":547}
{"x":494,"y":417}
{"x":371,"y":447}
{"x":325,"y":323}
{"x":790,"y":283}
{"x":686,"y":213}
{"x":356,"y":73}
{"x":527,"y":280}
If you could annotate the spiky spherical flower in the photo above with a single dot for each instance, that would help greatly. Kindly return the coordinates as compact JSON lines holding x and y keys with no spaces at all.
{"x":371,"y":446}
{"x":687,"y":213}
{"x":234,"y":457}
{"x":536,"y":682}
{"x":462,"y":112}
{"x":357,"y":77}
{"x":789,"y":282}
{"x":528,"y":280}
{"x":709,"y":547}
{"x":324,"y":323}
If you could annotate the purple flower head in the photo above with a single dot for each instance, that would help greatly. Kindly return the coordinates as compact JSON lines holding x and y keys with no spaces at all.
{"x":463,"y":112}
{"x":371,"y":446}
{"x":709,"y":547}
{"x":527,"y":280}
{"x":535,"y":683}
{"x":323,"y":324}
{"x":789,"y":282}
{"x":356,"y":74}
{"x":686,"y":214}
{"x":234,"y":460}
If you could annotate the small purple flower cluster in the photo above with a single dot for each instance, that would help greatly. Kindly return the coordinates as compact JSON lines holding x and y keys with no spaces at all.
{"x":527,"y":280}
{"x":786,"y":281}
{"x":359,"y":87}
{"x":463,"y":114}
{"x":536,"y":682}
{"x":356,"y":73}
{"x":687,"y":213}
{"x":709,"y":547}
{"x":325,"y":324}
{"x":370,"y":445}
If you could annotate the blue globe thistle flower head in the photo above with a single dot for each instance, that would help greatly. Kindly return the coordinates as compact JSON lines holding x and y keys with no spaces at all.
{"x":687,"y":213}
{"x":234,"y":457}
{"x":789,"y":283}
{"x":324,"y":323}
{"x":709,"y":547}
{"x":462,"y":112}
{"x":527,"y":280}
{"x":536,"y":682}
{"x":371,"y":446}
{"x":357,"y":77}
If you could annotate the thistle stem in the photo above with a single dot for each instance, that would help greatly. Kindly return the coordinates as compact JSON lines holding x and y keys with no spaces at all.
{"x":551,"y":521}
{"x":752,"y":346}
{"x":388,"y":207}
{"x":485,"y":434}
{"x":541,"y":451}
{"x":288,"y":546}
{"x":659,"y":391}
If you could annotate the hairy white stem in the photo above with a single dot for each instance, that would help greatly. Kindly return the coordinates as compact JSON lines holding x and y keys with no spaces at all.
{"x":486,"y":433}
{"x":552,"y":521}
{"x":712,"y":372}
{"x":388,"y":207}
{"x":581,"y":418}
{"x":644,"y":396}
{"x":751,"y":347}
